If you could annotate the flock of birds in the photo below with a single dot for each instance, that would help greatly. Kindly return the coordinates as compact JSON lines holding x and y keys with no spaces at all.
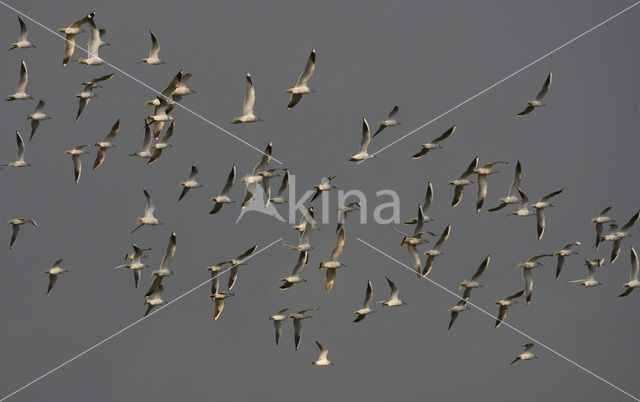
{"x":258,"y":181}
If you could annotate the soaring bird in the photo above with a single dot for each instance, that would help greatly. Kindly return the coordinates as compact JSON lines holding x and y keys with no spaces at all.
{"x":284,"y":185}
{"x":302,"y":87}
{"x":294,"y":278}
{"x":482,"y":173}
{"x":19,"y":162}
{"x":36,"y":117}
{"x":325,"y":185}
{"x":363,"y":154}
{"x":504,"y":306}
{"x":526,"y":353}
{"x":366,"y":305}
{"x":163,"y":143}
{"x":322,"y":356}
{"x":145,"y":153}
{"x":512,"y":196}
{"x":189,"y":183}
{"x":600,"y":220}
{"x":148,"y":218}
{"x":22,"y":42}
{"x":93,"y":46}
{"x":235,"y":265}
{"x":344,"y":210}
{"x":460,"y":306}
{"x":218,"y":299}
{"x":105,"y":144}
{"x":537,"y":102}
{"x":462,"y":181}
{"x":473,"y":282}
{"x":435,"y":144}
{"x":297,"y":324}
{"x":393,"y":300}
{"x":633,"y":280}
{"x":15,"y":228}
{"x":223,"y":198}
{"x":277,"y":319}
{"x":21,"y":88}
{"x":523,"y":210}
{"x":154,"y":299}
{"x":561,"y":254}
{"x":435,"y":251}
{"x":249,"y":101}
{"x":334,"y":260}
{"x":389,"y":122}
{"x":53,"y":273}
{"x":136,"y":265}
{"x":164,"y":270}
{"x":75,"y":153}
{"x":590,"y":280}
{"x":415,"y":239}
{"x":153,"y":58}
{"x":540,"y":207}
{"x":527,"y":276}
{"x":621,"y":234}
{"x":182,"y":89}
{"x":256,"y":177}
{"x":426,"y":204}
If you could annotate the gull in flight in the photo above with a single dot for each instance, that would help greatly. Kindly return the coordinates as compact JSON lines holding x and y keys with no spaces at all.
{"x":482,"y":173}
{"x":524,"y":206}
{"x":136,"y":264}
{"x":473,"y":282}
{"x":325,"y":185}
{"x":148,"y":218}
{"x":435,"y":251}
{"x":621,"y":234}
{"x":364,"y":143}
{"x":334,"y":263}
{"x":561,"y":254}
{"x":21,"y":93}
{"x":160,"y":115}
{"x":70,"y":33}
{"x":526,"y":353}
{"x":302,"y":87}
{"x":344,"y":210}
{"x":504,"y":306}
{"x":105,"y":144}
{"x":284,"y":185}
{"x":19,"y":162}
{"x":162,"y":143}
{"x":256,"y":177}
{"x":590,"y":279}
{"x":218,"y":301}
{"x":22,"y":42}
{"x":428,"y":200}
{"x":277,"y":319}
{"x":36,"y":117}
{"x":15,"y":226}
{"x":597,"y":262}
{"x":600,"y":220}
{"x":459,"y":307}
{"x":633,"y":280}
{"x":307,"y":220}
{"x":512,"y":196}
{"x":235,"y":266}
{"x":164,"y":270}
{"x":539,"y":207}
{"x":145,"y":153}
{"x":294,"y":278}
{"x":53,"y":273}
{"x":537,"y":102}
{"x":103,"y":32}
{"x":75,"y":153}
{"x":462,"y":181}
{"x":85,"y":96}
{"x":182,"y":89}
{"x":153,"y":58}
{"x":297,"y":324}
{"x":223,"y":198}
{"x":435,"y":144}
{"x":129,"y":257}
{"x":215,"y":271}
{"x":527,"y":276}
{"x":366,"y":305}
{"x":168,"y":90}
{"x":389,"y":122}
{"x":414,"y":240}
{"x":304,"y":243}
{"x":247,"y":106}
{"x":393,"y":300}
{"x":189,"y":183}
{"x":322,"y":357}
{"x":93,"y":46}
{"x":154,"y":299}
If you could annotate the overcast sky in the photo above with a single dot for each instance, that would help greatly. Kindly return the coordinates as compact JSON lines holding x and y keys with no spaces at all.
{"x":426,"y":58}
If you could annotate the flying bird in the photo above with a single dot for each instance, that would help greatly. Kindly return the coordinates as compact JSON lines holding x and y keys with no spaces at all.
{"x":435,"y":251}
{"x":256,"y":176}
{"x":148,"y":218}
{"x":277,"y":319}
{"x":189,"y":183}
{"x":162,"y":143}
{"x":633,"y":280}
{"x":393,"y":300}
{"x":537,"y":102}
{"x":136,"y":265}
{"x":435,"y":144}
{"x":153,"y":58}
{"x":526,"y":353}
{"x":21,"y":89}
{"x":22,"y":42}
{"x":600,"y":220}
{"x":344,"y":210}
{"x":527,"y":276}
{"x":105,"y":144}
{"x":294,"y":278}
{"x":561,"y":254}
{"x":428,"y":200}
{"x":473,"y":282}
{"x":334,"y":260}
{"x":53,"y":273}
{"x":482,"y":173}
{"x":159,"y":274}
{"x":459,"y":307}
{"x":523,"y":210}
{"x":223,"y":198}
{"x":621,"y":234}
{"x":249,"y":101}
{"x":182,"y":89}
{"x":19,"y":162}
{"x":154,"y":299}
{"x":364,"y":143}
{"x":297,"y":324}
{"x":415,"y":239}
{"x":70,"y":33}
{"x":284,"y":185}
{"x":168,"y":90}
{"x":75,"y":153}
{"x":36,"y":117}
{"x":15,"y":226}
{"x":590,"y":280}
{"x":218,"y":299}
{"x":366,"y":305}
{"x":93,"y":46}
{"x":235,"y":265}
{"x":325,"y":185}
{"x":389,"y":122}
{"x":540,"y":207}
{"x":160,"y":115}
{"x":512,"y":196}
{"x":322,"y":357}
{"x":145,"y":153}
{"x":462,"y":181}
{"x":85,"y":97}
{"x":302,"y":87}
{"x":504,"y":306}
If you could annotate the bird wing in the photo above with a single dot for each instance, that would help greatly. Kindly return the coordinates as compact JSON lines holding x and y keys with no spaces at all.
{"x":393,"y":112}
{"x":173,"y":84}
{"x":472,"y":166}
{"x":264,"y":161}
{"x":82,"y":21}
{"x":77,"y":167}
{"x":330,"y":279}
{"x":527,"y":347}
{"x":39,"y":106}
{"x":545,"y":88}
{"x":155,"y":156}
{"x":150,"y":206}
{"x":169,"y":253}
{"x":294,"y":100}
{"x":366,"y":136}
{"x":481,"y":268}
{"x":69,"y":47}
{"x":155,"y":46}
{"x":526,"y":110}
{"x":559,"y":266}
{"x":615,"y":250}
{"x":94,"y":39}
{"x":420,"y":220}
{"x":454,"y":315}
{"x":540,"y":222}
{"x":233,"y":277}
{"x":193,"y":173}
{"x":423,"y":151}
{"x":339,"y":246}
{"x":631,"y":221}
{"x":443,"y":238}
{"x":302,"y":261}
{"x":482,"y":191}
{"x":458,"y":192}
{"x":394,"y":288}
{"x":284,"y":185}
{"x":445,"y":135}
{"x":549,"y":196}
{"x":249,"y":96}
{"x":169,"y":132}
{"x":218,"y":307}
{"x":515,"y":295}
{"x":23,"y":30}
{"x":634,"y":265}
{"x":604,"y":211}
{"x":102,"y":153}
{"x":323,"y":351}
{"x":20,"y":143}
{"x":502,"y":314}
{"x":114,"y":131}
{"x":308,"y":69}
{"x":14,"y":235}
{"x":34,"y":126}
{"x":297,"y":326}
{"x":416,"y":258}
{"x":82,"y":103}
{"x":52,"y":281}
{"x":247,"y":253}
{"x":155,"y":285}
{"x":517,"y":179}
{"x":528,"y":283}
{"x":278,"y":325}
{"x":24,"y":78}
{"x":428,"y":198}
{"x":368,"y":296}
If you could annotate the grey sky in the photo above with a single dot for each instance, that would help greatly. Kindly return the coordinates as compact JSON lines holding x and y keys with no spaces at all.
{"x":425,"y":58}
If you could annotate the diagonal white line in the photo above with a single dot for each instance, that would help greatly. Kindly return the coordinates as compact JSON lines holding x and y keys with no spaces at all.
{"x":505,"y":78}
{"x":504,"y":323}
{"x":137,"y":80}
{"x":131,"y":325}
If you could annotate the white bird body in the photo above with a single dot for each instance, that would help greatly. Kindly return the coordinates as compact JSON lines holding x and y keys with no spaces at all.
{"x":36,"y":117}
{"x":393,"y":300}
{"x":77,"y":162}
{"x":15,"y":228}
{"x":366,"y":306}
{"x":633,"y":280}
{"x":76,"y":27}
{"x":148,"y":218}
{"x":22,"y":42}
{"x":526,"y":353}
{"x":364,"y":144}
{"x":302,"y":86}
{"x":21,"y":88}
{"x":504,"y":306}
{"x":19,"y":162}
{"x":277,"y":319}
{"x":462,"y":181}
{"x":322,"y":357}
{"x":248,"y":115}
{"x":53,"y":273}
{"x":153,"y":58}
{"x":590,"y":280}
{"x":295,"y":277}
{"x":93,"y":46}
{"x":297,"y":324}
{"x":537,"y":102}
